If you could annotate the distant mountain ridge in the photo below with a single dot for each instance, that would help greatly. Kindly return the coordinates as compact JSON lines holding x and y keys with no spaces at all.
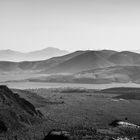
{"x":75,"y":62}
{"x":104,"y":66}
{"x":10,"y":55}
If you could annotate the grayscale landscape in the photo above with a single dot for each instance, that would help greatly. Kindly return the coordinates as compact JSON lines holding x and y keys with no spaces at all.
{"x":69,"y":70}
{"x":65,"y":93}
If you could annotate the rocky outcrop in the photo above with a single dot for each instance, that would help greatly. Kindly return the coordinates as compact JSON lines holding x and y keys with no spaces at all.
{"x":58,"y":135}
{"x":16,"y":112}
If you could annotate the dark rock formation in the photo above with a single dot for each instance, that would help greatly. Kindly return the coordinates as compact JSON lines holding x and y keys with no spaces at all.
{"x":57,"y":135}
{"x":15,"y":112}
{"x":114,"y":123}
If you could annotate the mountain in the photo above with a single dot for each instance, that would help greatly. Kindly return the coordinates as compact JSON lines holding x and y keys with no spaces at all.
{"x":10,"y":55}
{"x":84,"y":61}
{"x":16,"y":113}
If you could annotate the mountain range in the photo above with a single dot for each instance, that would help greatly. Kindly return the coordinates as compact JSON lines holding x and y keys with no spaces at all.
{"x":104,"y":66}
{"x":10,"y":55}
{"x":75,"y":62}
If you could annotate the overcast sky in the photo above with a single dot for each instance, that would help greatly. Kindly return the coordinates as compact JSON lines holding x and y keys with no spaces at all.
{"x":27,"y":25}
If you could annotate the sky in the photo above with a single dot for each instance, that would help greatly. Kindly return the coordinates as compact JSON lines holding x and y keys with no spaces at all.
{"x":27,"y":25}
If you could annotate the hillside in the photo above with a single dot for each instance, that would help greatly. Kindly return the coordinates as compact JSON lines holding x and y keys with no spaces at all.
{"x":114,"y":74}
{"x":16,"y":113}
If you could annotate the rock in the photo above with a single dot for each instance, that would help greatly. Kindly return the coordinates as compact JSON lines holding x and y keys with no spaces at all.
{"x":58,"y":135}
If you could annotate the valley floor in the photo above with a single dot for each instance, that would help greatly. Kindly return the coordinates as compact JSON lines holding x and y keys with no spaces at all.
{"x":82,"y":109}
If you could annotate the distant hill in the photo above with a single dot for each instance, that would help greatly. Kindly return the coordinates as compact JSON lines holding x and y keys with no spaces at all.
{"x":10,"y":55}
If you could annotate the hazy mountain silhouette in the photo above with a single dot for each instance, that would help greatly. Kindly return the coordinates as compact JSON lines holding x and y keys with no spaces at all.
{"x":45,"y":53}
{"x":10,"y":55}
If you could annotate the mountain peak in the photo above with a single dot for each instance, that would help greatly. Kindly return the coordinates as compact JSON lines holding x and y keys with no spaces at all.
{"x":51,"y":48}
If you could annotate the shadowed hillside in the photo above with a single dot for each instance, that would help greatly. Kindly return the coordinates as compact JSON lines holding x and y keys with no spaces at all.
{"x":16,"y":113}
